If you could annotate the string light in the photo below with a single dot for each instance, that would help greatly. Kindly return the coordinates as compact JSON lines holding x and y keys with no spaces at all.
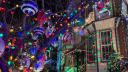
{"x":11,"y":30}
{"x":13,"y":47}
{"x":32,"y":57}
{"x":1,"y":34}
{"x":17,"y":5}
{"x":9,"y":62}
{"x":11,"y":57}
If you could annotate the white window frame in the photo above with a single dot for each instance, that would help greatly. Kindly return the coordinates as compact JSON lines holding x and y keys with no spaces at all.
{"x":102,"y":57}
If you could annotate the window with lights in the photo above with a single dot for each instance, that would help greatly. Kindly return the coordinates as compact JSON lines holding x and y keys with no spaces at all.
{"x":106,"y":44}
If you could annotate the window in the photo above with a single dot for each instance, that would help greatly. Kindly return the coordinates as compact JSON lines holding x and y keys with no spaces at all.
{"x":106,"y":44}
{"x":91,"y":49}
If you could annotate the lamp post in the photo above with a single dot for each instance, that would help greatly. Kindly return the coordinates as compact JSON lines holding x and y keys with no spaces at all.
{"x":96,"y":47}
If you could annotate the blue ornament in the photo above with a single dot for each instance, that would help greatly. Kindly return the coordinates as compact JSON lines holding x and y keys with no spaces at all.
{"x":40,"y":56}
{"x":29,"y":7}
{"x":38,"y":31}
{"x":54,"y":42}
{"x":33,"y":50}
{"x":2,"y":25}
{"x":19,"y":34}
{"x":38,"y":66}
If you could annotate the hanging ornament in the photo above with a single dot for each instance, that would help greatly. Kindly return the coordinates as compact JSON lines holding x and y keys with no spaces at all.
{"x":67,"y":37}
{"x":33,"y":50}
{"x":29,"y":7}
{"x":49,"y":31}
{"x":54,"y":42}
{"x":2,"y":46}
{"x":27,"y":61}
{"x":2,"y":25}
{"x":41,"y":18}
{"x":40,"y":56}
{"x":37,"y":32}
{"x":38,"y":66}
{"x":19,"y":34}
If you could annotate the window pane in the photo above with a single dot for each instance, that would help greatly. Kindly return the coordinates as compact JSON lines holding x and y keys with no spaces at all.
{"x":91,"y":49}
{"x":106,"y":44}
{"x":102,"y":37}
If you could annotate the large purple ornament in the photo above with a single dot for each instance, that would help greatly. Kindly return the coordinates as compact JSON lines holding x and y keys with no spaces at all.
{"x":37,"y":31}
{"x":29,"y":7}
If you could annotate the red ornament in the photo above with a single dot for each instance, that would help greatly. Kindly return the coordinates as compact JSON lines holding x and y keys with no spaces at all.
{"x":44,"y":49}
{"x":41,"y":17}
{"x":100,"y":5}
{"x":2,"y":9}
{"x":14,"y":39}
{"x":53,"y":34}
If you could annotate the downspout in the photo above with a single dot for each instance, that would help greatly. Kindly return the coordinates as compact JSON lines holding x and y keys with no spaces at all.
{"x":116,"y":33}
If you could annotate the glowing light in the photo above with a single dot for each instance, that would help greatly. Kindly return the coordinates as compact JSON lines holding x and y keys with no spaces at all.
{"x":31,"y":68}
{"x":11,"y":57}
{"x":79,"y":8}
{"x":9,"y":62}
{"x":17,"y":5}
{"x":9,"y":44}
{"x":68,"y":24}
{"x":61,"y":25}
{"x":61,"y":34}
{"x":14,"y":39}
{"x":1,"y":35}
{"x":29,"y":43}
{"x":16,"y":59}
{"x":49,"y":17}
{"x":13,"y":47}
{"x":11,"y":30}
{"x":12,"y":44}
{"x":28,"y":33}
{"x":6,"y":46}
{"x":75,"y":11}
{"x":32,"y":57}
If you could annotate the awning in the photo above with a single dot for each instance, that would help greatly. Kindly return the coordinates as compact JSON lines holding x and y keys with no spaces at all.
{"x":105,"y":24}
